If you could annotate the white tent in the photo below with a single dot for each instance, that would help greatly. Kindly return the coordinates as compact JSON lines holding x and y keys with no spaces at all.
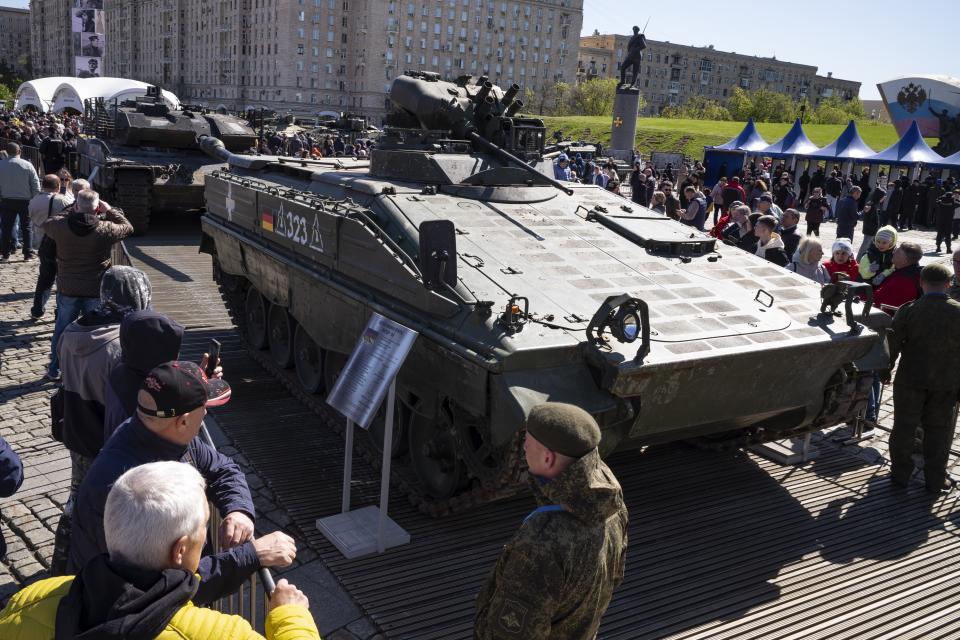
{"x":38,"y":93}
{"x":72,"y":92}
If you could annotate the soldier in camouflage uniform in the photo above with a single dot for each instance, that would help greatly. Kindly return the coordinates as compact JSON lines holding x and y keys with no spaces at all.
{"x":555,"y":578}
{"x":926,"y":336}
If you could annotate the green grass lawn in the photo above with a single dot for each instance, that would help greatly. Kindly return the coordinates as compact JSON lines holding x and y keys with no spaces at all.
{"x":690,"y":136}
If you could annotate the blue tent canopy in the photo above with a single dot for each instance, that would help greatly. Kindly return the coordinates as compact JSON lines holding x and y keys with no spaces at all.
{"x":849,"y":146}
{"x":795,"y":143}
{"x":950,"y":162}
{"x":910,"y":149}
{"x":748,"y":140}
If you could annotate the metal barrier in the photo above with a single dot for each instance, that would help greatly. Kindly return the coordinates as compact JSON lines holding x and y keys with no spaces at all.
{"x":244,"y":602}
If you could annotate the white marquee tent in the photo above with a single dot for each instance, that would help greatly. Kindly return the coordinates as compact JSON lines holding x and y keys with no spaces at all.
{"x":59,"y":93}
{"x":38,"y":93}
{"x":72,"y":93}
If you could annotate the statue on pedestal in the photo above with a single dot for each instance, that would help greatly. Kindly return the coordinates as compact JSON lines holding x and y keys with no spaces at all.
{"x":634,"y":57}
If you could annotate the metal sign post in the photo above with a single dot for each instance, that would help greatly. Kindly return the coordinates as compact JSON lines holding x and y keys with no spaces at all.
{"x":369,"y":375}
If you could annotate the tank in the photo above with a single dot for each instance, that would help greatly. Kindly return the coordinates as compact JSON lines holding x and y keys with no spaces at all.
{"x":144,"y":157}
{"x":348,"y":126}
{"x":523,"y":290}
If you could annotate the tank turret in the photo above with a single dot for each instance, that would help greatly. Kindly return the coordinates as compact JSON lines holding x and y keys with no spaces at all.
{"x":436,"y":123}
{"x":149,"y":122}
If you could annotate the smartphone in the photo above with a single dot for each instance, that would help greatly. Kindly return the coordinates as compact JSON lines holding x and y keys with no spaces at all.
{"x":214,"y":356}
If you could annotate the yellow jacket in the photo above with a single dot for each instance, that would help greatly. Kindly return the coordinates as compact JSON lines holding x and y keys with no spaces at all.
{"x":32,"y":612}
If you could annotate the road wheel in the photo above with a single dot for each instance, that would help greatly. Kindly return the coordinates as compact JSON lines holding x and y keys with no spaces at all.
{"x":433,"y":452}
{"x":255,"y":319}
{"x":280,"y":327}
{"x":308,"y":360}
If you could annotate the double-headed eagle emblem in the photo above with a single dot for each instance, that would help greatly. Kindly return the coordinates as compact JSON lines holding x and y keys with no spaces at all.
{"x":911,"y":97}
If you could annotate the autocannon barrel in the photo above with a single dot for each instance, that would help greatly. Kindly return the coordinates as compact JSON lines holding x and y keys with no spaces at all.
{"x":511,"y":93}
{"x":484,"y":90}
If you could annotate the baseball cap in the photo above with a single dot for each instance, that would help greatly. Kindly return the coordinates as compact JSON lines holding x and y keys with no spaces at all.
{"x":181,"y":386}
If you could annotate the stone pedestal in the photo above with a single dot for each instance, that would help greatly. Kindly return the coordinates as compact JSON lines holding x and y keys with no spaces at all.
{"x":623,"y":131}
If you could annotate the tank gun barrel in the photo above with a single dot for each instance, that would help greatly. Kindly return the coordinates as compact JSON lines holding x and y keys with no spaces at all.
{"x":509,"y":158}
{"x":215,"y":148}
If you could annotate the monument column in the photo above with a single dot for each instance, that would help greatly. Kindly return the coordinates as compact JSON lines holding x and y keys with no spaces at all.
{"x":623,"y":132}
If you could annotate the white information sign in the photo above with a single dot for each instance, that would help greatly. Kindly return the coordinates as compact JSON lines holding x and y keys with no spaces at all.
{"x":374,"y":363}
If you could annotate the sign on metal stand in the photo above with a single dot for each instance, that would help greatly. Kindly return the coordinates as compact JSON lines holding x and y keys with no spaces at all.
{"x":369,"y":375}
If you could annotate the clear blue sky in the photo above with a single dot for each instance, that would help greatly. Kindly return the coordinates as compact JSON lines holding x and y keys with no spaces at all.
{"x":870,"y":41}
{"x":867,"y":41}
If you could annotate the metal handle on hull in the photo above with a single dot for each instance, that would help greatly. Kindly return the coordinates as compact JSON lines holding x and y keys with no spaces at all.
{"x":856,"y":290}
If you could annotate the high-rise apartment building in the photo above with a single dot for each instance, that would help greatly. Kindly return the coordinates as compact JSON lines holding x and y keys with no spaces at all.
{"x":51,"y":45}
{"x":307,"y":56}
{"x":15,"y":39}
{"x":672,"y":73}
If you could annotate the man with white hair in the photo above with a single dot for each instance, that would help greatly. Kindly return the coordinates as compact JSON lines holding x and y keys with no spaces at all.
{"x":84,"y":239}
{"x":155,"y":526}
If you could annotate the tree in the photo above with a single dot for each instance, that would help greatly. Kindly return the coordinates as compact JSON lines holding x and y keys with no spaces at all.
{"x":739,"y":104}
{"x":770,"y":106}
{"x":836,"y":110}
{"x":561,"y":96}
{"x":6,"y":95}
{"x":9,"y":76}
{"x":595,"y":97}
{"x":698,"y":108}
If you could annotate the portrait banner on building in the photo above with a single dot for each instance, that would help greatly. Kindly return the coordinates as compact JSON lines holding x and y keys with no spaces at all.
{"x":87,"y":22}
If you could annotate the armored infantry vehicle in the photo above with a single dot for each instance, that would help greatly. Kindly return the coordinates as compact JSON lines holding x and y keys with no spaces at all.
{"x":144,"y":156}
{"x":347,"y":126}
{"x":522,"y":290}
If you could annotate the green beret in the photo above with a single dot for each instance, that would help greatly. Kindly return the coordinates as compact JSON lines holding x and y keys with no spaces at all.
{"x":936,"y":273}
{"x":564,"y":428}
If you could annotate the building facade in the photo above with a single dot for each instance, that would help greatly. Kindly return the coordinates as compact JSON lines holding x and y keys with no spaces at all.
{"x":672,"y":73}
{"x":15,"y":39}
{"x":307,"y":56}
{"x":51,"y":48}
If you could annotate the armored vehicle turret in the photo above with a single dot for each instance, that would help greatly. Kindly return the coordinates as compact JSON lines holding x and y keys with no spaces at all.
{"x":346,"y":125}
{"x":523,"y":289}
{"x":143,"y":156}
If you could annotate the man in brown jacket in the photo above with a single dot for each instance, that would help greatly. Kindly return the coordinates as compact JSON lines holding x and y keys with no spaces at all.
{"x":555,"y":578}
{"x":84,"y":242}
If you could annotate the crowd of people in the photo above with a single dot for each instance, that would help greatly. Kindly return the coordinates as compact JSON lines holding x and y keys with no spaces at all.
{"x":55,"y":135}
{"x":586,"y":171}
{"x":304,"y":145}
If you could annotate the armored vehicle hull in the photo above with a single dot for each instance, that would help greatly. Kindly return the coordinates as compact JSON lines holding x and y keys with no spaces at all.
{"x":144,"y":157}
{"x":583,"y":298}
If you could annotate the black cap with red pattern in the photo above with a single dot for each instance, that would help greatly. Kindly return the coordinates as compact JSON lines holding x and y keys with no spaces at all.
{"x":180,"y":387}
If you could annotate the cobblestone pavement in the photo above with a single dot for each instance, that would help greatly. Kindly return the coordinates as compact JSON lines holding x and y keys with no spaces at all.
{"x":30,"y":517}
